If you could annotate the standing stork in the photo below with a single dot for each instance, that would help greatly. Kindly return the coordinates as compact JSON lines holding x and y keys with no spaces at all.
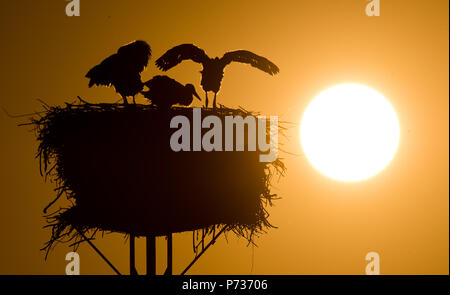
{"x":123,"y":69}
{"x":213,"y":68}
{"x":166,"y":92}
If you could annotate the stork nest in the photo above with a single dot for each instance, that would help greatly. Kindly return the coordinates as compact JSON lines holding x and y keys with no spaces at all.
{"x":114,"y":164}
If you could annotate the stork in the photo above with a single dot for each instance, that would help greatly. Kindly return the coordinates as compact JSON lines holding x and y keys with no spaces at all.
{"x":166,"y":92}
{"x":213,"y":68}
{"x":123,"y":69}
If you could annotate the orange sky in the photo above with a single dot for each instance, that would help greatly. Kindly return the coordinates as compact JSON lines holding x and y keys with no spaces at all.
{"x":324,"y":226}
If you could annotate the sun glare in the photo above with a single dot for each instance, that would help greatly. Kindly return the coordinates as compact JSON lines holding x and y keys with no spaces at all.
{"x":349,"y":132}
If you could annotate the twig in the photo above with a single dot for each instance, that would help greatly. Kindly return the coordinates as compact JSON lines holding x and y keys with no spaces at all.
{"x":21,"y":116}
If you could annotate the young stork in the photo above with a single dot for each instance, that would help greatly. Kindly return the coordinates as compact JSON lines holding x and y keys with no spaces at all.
{"x":123,"y":69}
{"x":166,"y":92}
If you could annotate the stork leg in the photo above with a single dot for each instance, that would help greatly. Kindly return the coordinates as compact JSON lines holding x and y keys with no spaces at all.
{"x":214,"y":101}
{"x":125,"y":101}
{"x":206,"y":100}
{"x":134,"y":99}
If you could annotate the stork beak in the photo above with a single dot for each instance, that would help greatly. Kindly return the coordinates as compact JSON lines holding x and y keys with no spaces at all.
{"x":196,"y":95}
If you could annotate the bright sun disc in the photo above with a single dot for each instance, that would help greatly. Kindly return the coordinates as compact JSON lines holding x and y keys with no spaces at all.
{"x":349,"y":132}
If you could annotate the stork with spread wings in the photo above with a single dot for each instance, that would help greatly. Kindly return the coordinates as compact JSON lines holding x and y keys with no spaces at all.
{"x":213,"y":68}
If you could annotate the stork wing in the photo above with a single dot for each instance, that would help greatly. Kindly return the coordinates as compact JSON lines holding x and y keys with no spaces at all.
{"x":102,"y":74}
{"x":254,"y":60}
{"x":129,"y":61}
{"x":134,"y":56}
{"x":179,"y":53}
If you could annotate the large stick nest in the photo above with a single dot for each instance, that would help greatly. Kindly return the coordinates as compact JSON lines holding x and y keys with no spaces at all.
{"x":115,"y":166}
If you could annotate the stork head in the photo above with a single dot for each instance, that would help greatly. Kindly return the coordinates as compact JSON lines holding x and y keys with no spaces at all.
{"x":191,"y":90}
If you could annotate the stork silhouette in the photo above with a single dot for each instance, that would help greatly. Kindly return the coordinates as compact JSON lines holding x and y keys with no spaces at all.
{"x":166,"y":92}
{"x":213,"y":68}
{"x":123,"y":69}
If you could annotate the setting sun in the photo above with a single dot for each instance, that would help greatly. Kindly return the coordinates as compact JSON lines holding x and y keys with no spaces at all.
{"x":349,"y":132}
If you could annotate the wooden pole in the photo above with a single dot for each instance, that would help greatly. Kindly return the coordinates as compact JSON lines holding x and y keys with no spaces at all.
{"x":132,"y":256}
{"x":98,"y":251}
{"x":204,"y":250}
{"x":169,"y":254}
{"x":151,"y":255}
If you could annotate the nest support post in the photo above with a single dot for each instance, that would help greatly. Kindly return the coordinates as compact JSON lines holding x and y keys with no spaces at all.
{"x":204,"y":248}
{"x":151,"y":255}
{"x":132,"y":256}
{"x":169,"y":270}
{"x":98,"y":251}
